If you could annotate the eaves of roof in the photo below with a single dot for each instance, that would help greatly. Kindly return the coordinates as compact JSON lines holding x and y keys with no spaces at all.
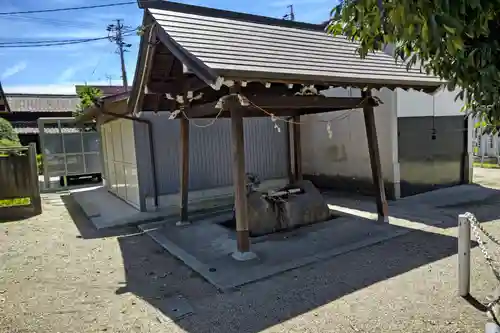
{"x":219,"y":45}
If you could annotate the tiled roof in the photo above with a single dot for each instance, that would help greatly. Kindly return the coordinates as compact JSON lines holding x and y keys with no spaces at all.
{"x":42,"y":103}
{"x":31,"y":127}
{"x":217,"y":44}
{"x":106,"y":90}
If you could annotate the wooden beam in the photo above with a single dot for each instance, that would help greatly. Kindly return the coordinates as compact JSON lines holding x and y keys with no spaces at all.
{"x":297,"y":149}
{"x":373,"y":149}
{"x":312,"y":102}
{"x":184,"y":170}
{"x":157,"y":102}
{"x":304,"y":102}
{"x":285,"y":106}
{"x":209,"y":112}
{"x":240,"y":195}
{"x":172,"y":86}
{"x":137,"y":96}
{"x":304,"y":106}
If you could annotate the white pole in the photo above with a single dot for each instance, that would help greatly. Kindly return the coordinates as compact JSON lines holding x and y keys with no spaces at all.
{"x":492,"y":328}
{"x":463,"y":255}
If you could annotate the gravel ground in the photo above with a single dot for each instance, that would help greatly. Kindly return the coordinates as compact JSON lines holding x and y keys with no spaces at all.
{"x":60,"y":275}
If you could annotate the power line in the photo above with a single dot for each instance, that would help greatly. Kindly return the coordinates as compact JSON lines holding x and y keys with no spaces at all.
{"x":98,"y":63}
{"x":51,"y":21}
{"x":52,"y":42}
{"x":68,"y":8}
{"x":83,"y":40}
{"x":127,"y":32}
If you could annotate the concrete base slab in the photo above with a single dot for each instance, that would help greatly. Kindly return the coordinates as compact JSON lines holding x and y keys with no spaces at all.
{"x":182,"y":223}
{"x":105,"y":210}
{"x":243,"y":256}
{"x":451,"y":196}
{"x":207,"y":247}
{"x":177,"y":307}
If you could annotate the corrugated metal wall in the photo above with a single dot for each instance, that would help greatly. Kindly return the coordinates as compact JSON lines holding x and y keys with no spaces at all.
{"x":210,"y":152}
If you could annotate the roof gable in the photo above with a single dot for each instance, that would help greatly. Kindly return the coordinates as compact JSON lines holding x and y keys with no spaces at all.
{"x":4,"y":105}
{"x":217,"y":44}
{"x":42,"y":103}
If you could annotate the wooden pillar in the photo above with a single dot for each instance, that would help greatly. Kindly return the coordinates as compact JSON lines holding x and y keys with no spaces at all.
{"x":378,"y":181}
{"x":289,"y":156}
{"x":297,"y":148}
{"x":36,"y":200}
{"x":239,"y":179}
{"x":184,"y":171}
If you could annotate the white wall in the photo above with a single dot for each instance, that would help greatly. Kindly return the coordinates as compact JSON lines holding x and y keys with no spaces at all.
{"x":419,"y":104}
{"x":344,"y":152}
{"x":120,"y":160}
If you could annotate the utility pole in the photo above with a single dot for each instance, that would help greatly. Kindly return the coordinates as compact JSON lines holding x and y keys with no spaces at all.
{"x":291,"y":15}
{"x":115,"y":35}
{"x":109,"y":78}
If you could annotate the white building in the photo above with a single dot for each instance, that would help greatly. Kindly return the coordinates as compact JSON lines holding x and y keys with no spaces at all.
{"x":425,"y":143}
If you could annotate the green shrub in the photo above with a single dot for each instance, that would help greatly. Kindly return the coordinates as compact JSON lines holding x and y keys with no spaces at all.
{"x":39,"y":163}
{"x":7,"y":133}
{"x":5,"y":143}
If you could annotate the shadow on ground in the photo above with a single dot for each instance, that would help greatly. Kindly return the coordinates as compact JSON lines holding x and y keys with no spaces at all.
{"x":158,"y":278}
{"x":16,"y":214}
{"x":85,"y":227}
{"x":439,"y":208}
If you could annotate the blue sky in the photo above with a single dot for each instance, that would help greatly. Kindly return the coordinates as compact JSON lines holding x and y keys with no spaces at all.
{"x":57,"y":69}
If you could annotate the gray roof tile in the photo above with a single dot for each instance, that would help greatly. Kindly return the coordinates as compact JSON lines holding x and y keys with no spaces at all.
{"x":42,"y":103}
{"x":31,"y":127}
{"x":234,"y":45}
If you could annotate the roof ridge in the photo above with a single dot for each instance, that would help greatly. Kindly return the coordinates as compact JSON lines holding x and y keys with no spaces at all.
{"x":222,"y":13}
{"x":32,"y":95}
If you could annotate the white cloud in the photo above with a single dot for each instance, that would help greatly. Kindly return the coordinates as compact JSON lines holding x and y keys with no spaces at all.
{"x":68,"y":74}
{"x":57,"y":89}
{"x":13,"y":70}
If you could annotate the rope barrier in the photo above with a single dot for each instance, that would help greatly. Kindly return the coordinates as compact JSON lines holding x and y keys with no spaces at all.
{"x":466,"y":223}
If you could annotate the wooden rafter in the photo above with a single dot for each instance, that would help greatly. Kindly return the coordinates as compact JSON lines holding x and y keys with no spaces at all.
{"x":281,"y":106}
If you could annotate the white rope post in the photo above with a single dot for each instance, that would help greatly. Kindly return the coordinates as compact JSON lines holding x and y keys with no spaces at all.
{"x":491,"y":328}
{"x":463,"y":255}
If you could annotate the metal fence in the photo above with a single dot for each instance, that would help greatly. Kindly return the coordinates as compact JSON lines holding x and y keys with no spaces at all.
{"x":486,"y":148}
{"x":19,"y":187}
{"x":467,"y":224}
{"x":68,"y":149}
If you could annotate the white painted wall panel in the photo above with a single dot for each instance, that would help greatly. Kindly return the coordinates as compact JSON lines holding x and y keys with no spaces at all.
{"x":419,"y":104}
{"x":120,"y":160}
{"x":344,"y":152}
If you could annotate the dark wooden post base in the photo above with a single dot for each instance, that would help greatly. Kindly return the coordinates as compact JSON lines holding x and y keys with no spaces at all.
{"x":243,"y":236}
{"x":373,"y":149}
{"x":184,"y":171}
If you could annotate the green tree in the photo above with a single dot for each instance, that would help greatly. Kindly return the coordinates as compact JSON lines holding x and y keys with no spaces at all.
{"x":8,"y":137}
{"x":88,"y":97}
{"x":455,"y":40}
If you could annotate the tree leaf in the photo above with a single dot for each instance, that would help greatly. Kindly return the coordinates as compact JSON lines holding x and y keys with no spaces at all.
{"x":449,"y":29}
{"x":455,"y":40}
